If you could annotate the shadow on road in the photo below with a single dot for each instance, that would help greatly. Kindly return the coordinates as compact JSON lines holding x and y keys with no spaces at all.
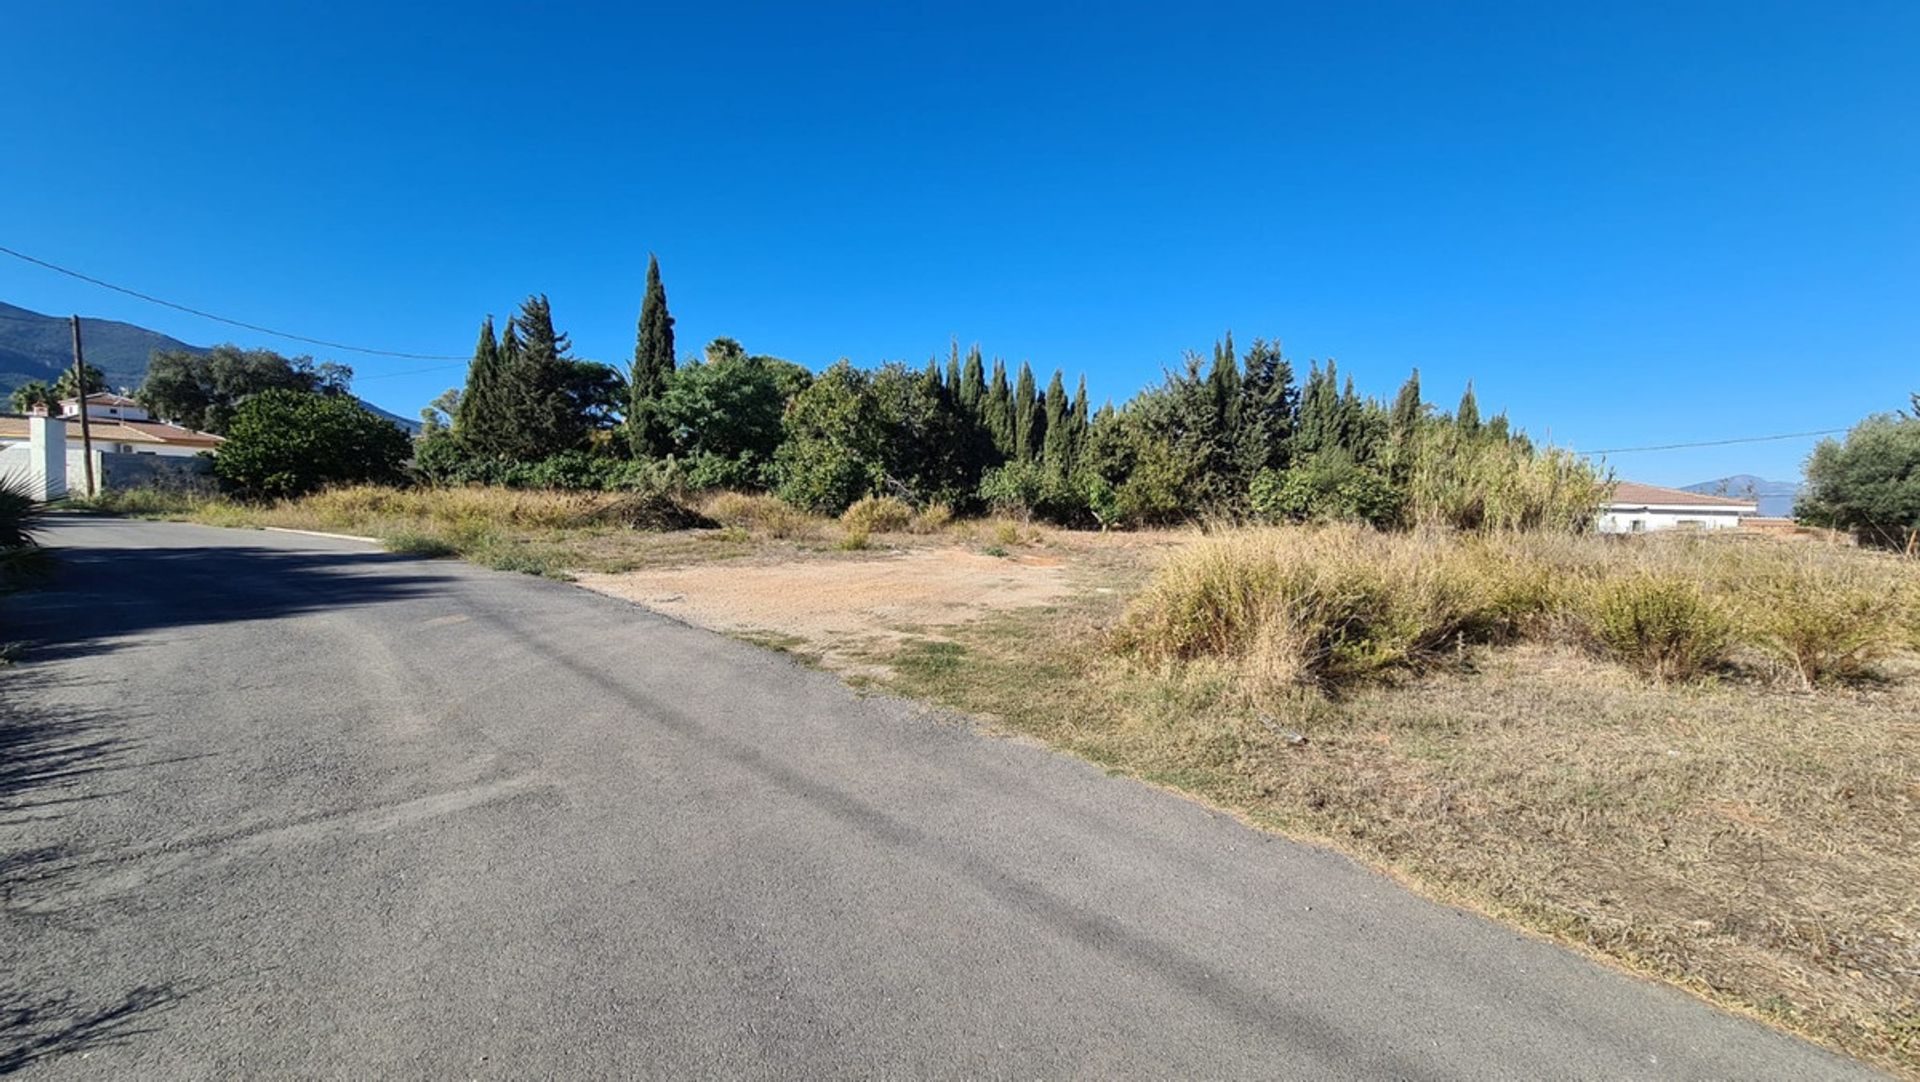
{"x":33,"y":1029}
{"x":98,"y":593}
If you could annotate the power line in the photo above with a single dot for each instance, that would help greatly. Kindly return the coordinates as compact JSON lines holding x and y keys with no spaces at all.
{"x":1718,"y":443}
{"x":223,"y":319}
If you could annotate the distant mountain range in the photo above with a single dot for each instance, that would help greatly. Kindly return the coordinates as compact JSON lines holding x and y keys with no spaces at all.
{"x":1775,"y":497}
{"x":40,"y":347}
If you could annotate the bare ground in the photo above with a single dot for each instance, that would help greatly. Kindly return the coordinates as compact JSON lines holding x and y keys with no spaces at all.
{"x":846,"y":611}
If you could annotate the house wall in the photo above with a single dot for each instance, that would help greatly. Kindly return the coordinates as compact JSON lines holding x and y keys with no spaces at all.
{"x":1623,"y":519}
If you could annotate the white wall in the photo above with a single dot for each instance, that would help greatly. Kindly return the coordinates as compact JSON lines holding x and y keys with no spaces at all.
{"x":1642,"y":519}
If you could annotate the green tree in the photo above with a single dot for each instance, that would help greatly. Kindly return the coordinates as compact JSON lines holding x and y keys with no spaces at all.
{"x":999,"y":410}
{"x":1468,"y":415}
{"x":1869,"y":484}
{"x":437,"y":416}
{"x":34,"y":393}
{"x":722,"y":416}
{"x":834,"y":452}
{"x":63,"y":387}
{"x":1268,"y":408}
{"x":537,"y":412}
{"x":1027,"y":420}
{"x":479,"y":421}
{"x":202,"y":390}
{"x":1056,"y":449}
{"x":287,"y":443}
{"x":653,"y":364}
{"x":973,"y":383}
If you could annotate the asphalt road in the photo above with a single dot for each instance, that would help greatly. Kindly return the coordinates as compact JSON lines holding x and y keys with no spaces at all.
{"x":275,"y":805}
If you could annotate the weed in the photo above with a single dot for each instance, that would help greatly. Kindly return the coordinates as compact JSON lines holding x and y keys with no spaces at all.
{"x":878,"y":514}
{"x":1663,"y":626}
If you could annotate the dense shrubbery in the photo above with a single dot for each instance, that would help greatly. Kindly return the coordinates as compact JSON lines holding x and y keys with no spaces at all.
{"x":1234,"y":438}
{"x":286,"y":443}
{"x":1322,"y":607}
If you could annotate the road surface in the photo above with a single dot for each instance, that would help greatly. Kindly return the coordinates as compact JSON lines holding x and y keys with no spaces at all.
{"x":276,"y":805}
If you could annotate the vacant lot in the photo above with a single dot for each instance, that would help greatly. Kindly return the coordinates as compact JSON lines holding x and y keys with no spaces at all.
{"x":1741,"y":817}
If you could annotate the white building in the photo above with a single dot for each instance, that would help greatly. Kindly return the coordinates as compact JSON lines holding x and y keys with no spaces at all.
{"x":1635,"y":508}
{"x":117,"y":423}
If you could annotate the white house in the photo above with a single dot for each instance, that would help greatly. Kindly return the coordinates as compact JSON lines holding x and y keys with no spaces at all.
{"x":117,"y":423}
{"x":1635,"y":508}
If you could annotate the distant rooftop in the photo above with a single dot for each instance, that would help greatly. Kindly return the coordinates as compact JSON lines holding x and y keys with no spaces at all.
{"x":1635,"y":494}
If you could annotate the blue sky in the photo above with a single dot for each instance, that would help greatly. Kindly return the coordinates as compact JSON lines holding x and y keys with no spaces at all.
{"x":1629,"y":224}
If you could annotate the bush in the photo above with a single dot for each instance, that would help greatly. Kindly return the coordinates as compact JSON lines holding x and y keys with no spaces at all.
{"x":1663,"y":626}
{"x":1317,"y":607}
{"x":878,"y":514}
{"x":1328,"y":487}
{"x":20,"y":513}
{"x":289,"y":443}
{"x":932,"y":518}
{"x":760,"y":513}
{"x":1817,"y":619}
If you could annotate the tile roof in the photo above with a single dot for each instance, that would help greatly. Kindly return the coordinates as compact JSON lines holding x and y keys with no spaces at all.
{"x":105,"y":430}
{"x":1634,"y":494}
{"x":104,"y":398}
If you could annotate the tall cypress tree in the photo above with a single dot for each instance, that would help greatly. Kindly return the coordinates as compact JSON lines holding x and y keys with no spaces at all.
{"x":1056,"y":442}
{"x":1077,"y":417}
{"x":973,"y":383}
{"x":539,"y":415}
{"x":1025,"y":409}
{"x":953,"y":370}
{"x":999,"y":412}
{"x":652,"y":365}
{"x":1468,"y":415}
{"x":477,"y":419}
{"x":1405,"y":416}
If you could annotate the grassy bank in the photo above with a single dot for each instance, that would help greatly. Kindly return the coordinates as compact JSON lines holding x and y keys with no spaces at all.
{"x":1482,"y":720}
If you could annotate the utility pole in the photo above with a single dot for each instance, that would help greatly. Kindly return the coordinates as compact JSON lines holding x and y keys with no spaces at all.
{"x":80,"y":387}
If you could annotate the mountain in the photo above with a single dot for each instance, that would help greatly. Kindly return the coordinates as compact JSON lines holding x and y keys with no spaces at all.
{"x":33,"y":346}
{"x":1775,"y":497}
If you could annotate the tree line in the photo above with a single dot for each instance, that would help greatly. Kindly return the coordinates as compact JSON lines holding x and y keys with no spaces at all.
{"x":1236,"y":434}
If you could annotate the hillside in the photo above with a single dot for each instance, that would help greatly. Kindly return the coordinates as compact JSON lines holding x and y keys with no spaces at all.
{"x":1775,"y":497}
{"x":35,"y":346}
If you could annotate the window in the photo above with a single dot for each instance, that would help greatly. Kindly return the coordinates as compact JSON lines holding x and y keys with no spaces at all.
{"x":1637,"y":525}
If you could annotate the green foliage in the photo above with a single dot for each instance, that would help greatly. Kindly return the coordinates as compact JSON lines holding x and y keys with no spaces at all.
{"x":834,"y":451}
{"x":1869,"y":484}
{"x":287,"y":443}
{"x":1662,"y":625}
{"x":1329,"y":486}
{"x":65,"y":386}
{"x":20,"y":512}
{"x":203,"y":390}
{"x":653,"y":365}
{"x":1029,"y":490}
{"x":723,"y":416}
{"x":33,"y":393}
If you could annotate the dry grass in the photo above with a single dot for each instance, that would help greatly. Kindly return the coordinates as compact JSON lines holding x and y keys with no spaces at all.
{"x":1745,"y":837}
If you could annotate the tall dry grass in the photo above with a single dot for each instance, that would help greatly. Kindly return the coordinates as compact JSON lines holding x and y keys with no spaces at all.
{"x":1328,"y":606}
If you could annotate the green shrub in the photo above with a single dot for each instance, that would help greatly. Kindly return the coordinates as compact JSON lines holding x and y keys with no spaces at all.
{"x":1661,"y":625}
{"x":1822,"y":619}
{"x":878,"y":514}
{"x":408,"y":542}
{"x":289,"y":443}
{"x":1328,"y":487}
{"x":20,"y":512}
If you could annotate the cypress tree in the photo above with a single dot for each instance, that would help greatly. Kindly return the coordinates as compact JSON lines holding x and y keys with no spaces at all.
{"x":953,"y":369}
{"x":1468,"y":415}
{"x":1057,"y":441}
{"x":1000,"y":410}
{"x":1406,"y":410}
{"x":1026,"y":408}
{"x":652,"y":364}
{"x":476,"y":419}
{"x":973,"y":382}
{"x":1077,"y":417}
{"x":540,"y":415}
{"x":1268,"y":409}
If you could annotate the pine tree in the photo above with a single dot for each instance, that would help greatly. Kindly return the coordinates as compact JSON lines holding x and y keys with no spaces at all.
{"x":1025,"y":411}
{"x":540,"y":416}
{"x":1468,"y":415}
{"x":653,"y":365}
{"x":477,"y":422}
{"x":999,"y":411}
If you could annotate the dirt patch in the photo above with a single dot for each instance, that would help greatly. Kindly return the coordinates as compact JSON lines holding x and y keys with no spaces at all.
{"x":847,"y":612}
